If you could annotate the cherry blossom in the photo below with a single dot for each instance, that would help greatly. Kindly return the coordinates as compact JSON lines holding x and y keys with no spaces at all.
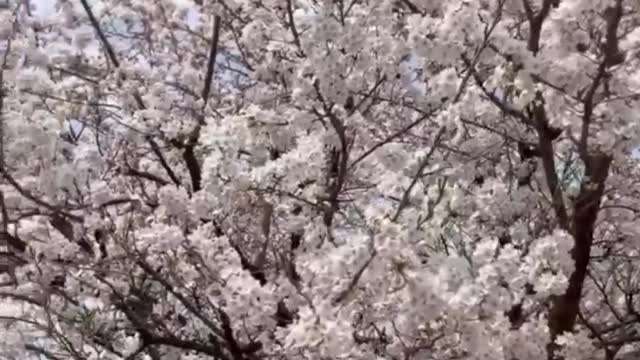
{"x":301,"y":179}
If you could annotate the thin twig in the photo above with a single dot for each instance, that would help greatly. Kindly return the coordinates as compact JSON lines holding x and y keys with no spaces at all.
{"x":404,"y":201}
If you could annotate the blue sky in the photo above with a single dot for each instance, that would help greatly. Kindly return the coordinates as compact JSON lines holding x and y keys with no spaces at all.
{"x":44,"y":7}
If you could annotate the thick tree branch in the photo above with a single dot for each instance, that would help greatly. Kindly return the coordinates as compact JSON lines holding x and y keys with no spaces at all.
{"x":144,"y":175}
{"x":103,"y":39}
{"x":66,"y":229}
{"x":339,"y":161}
{"x":211,"y":63}
{"x":536,"y":118}
{"x":536,"y":21}
{"x":188,"y":154}
{"x":546,"y":135}
{"x":412,"y":7}
{"x":565,"y":308}
{"x":611,"y":57}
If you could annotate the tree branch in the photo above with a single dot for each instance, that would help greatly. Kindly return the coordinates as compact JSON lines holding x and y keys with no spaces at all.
{"x":113,"y":58}
{"x":292,"y":26}
{"x":536,"y":21}
{"x":404,"y":201}
{"x":213,"y":51}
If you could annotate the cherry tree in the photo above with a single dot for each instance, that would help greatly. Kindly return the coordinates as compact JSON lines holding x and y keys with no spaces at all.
{"x":303,"y":179}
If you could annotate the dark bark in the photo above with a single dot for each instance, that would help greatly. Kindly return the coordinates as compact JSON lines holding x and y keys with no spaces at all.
{"x":536,"y":21}
{"x":14,"y":243}
{"x":564,"y":310}
{"x":65,"y":227}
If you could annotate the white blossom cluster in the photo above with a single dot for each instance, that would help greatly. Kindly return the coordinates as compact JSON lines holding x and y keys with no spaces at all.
{"x":302,"y":179}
